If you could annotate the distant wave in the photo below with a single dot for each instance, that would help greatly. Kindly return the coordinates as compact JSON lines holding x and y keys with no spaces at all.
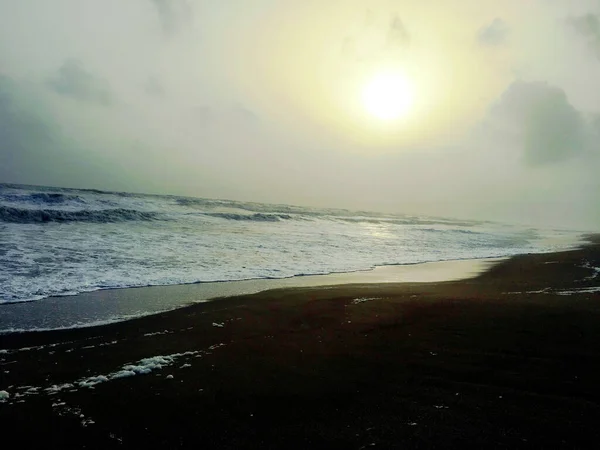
{"x":258,"y":217}
{"x":50,"y":198}
{"x":438,"y":230}
{"x":21,"y":215}
{"x":187,"y":201}
{"x":406,"y":221}
{"x":254,"y":207}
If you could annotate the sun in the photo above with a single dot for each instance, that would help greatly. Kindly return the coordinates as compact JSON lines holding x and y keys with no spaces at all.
{"x":388,"y":96}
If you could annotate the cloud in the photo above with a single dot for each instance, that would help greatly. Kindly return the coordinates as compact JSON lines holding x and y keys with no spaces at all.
{"x":243,"y":115}
{"x":493,"y":34}
{"x":73,"y":80}
{"x":203,"y":116}
{"x":376,"y":39}
{"x":19,"y":130}
{"x":595,"y":122}
{"x":541,"y":120}
{"x":33,"y":148}
{"x":588,"y":26}
{"x":44,"y":141}
{"x":173,"y":14}
{"x":154,"y":87}
{"x":397,"y":35}
{"x":235,"y":117}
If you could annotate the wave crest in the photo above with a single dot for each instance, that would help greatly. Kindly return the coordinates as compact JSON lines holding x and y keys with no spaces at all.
{"x":49,"y":198}
{"x":22,"y":215}
{"x":258,"y":217}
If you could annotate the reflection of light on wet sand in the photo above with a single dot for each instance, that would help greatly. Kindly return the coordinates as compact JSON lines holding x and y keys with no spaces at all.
{"x":412,"y":273}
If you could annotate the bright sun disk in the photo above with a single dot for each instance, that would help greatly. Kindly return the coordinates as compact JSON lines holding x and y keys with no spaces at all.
{"x":388,"y":96}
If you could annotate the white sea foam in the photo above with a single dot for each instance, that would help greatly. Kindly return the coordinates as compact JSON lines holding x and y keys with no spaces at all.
{"x":585,"y":290}
{"x":595,"y":270}
{"x":142,"y":367}
{"x":122,"y":374}
{"x":92,"y":381}
{"x":158,"y":333}
{"x":356,"y":301}
{"x":588,"y":290}
{"x":56,"y":388}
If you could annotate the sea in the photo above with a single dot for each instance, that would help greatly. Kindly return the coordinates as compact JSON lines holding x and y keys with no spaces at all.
{"x":59,"y":242}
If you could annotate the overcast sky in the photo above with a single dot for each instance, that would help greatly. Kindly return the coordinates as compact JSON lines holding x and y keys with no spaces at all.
{"x":261,"y":100}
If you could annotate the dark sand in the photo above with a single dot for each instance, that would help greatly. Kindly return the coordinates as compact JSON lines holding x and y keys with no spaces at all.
{"x":498,"y":361}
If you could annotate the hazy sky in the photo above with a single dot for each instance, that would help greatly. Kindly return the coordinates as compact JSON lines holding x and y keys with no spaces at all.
{"x":263,"y":100}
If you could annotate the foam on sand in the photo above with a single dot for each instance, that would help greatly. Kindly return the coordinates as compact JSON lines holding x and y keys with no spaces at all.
{"x":588,"y":290}
{"x":142,"y":367}
{"x":356,"y":301}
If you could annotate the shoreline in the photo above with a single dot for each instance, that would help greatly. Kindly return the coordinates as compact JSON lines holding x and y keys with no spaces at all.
{"x":507,"y":359}
{"x":107,"y":306}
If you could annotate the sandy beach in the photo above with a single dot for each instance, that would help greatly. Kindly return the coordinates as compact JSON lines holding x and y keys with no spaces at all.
{"x":508,"y":359}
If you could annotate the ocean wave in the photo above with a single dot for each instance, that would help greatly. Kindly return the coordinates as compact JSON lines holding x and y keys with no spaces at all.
{"x":383,"y":220}
{"x":450,"y":230}
{"x":204,"y":202}
{"x":258,"y":217}
{"x":252,"y":207}
{"x":48,"y":198}
{"x":22,"y":215}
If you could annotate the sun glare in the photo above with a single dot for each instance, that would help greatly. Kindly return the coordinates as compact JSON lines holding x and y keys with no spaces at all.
{"x":388,"y":96}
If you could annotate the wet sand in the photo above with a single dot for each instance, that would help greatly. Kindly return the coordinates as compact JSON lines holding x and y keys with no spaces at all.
{"x":115,"y":305}
{"x":509,"y":359}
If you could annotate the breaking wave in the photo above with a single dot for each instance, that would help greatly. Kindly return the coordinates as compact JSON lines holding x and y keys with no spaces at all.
{"x":60,"y":241}
{"x":48,"y":198}
{"x":258,"y":217}
{"x":23,"y":215}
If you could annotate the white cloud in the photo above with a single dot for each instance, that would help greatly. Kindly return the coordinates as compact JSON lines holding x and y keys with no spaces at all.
{"x":73,"y":80}
{"x":493,"y":34}
{"x":588,"y":27}
{"x":173,"y":14}
{"x":542,"y":121}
